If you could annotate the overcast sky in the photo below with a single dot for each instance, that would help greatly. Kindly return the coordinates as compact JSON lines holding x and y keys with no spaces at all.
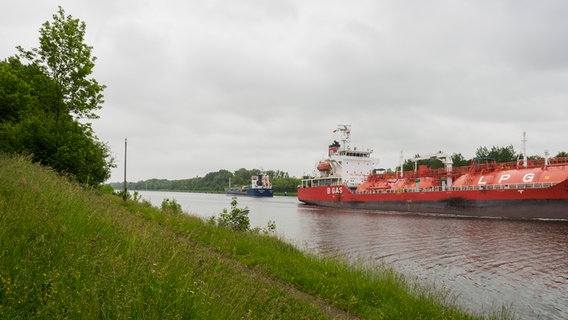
{"x":199,"y":86}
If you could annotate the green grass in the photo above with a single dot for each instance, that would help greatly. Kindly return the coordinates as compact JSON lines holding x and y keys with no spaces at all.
{"x":68,"y":252}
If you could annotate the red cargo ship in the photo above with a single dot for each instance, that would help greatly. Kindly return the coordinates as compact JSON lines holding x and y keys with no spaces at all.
{"x":526,"y":189}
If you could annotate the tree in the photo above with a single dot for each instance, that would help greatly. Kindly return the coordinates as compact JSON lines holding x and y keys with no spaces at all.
{"x":24,"y":89}
{"x":236,"y":219}
{"x":408,"y":164}
{"x":285,"y":184}
{"x":65,"y":145}
{"x":242,"y":176}
{"x":40,"y":103}
{"x":217,"y":180}
{"x":535,"y":157}
{"x":500,"y":154}
{"x":459,"y":161}
{"x":431,"y":163}
{"x":562,"y":154}
{"x":66,"y":59}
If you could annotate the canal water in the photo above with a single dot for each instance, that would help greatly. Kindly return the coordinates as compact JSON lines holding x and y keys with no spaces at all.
{"x":486,"y":263}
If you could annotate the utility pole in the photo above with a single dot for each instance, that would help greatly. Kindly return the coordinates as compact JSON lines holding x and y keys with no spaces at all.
{"x":125,"y":189}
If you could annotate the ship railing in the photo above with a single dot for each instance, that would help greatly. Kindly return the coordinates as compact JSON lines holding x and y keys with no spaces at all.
{"x":476,"y":167}
{"x":460,"y":188}
{"x":504,"y":186}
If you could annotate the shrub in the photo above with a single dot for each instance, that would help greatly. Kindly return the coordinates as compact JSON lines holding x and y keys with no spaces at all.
{"x":236,"y":219}
{"x":171,"y":206}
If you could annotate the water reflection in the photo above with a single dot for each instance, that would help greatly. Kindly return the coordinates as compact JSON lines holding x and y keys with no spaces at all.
{"x":487,"y":262}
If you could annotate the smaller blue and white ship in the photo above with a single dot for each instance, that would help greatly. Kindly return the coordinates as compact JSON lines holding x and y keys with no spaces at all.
{"x":260,"y":186}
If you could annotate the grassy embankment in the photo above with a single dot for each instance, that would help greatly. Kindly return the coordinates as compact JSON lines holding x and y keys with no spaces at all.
{"x":67,"y":252}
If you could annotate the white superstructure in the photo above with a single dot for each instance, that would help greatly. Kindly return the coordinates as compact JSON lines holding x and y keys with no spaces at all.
{"x":349,"y":166}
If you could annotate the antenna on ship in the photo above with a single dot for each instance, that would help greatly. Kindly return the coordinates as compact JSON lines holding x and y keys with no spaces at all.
{"x":345,"y":130}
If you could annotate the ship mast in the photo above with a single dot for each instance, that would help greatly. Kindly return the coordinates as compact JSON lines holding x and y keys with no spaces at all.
{"x":524,"y":149}
{"x":345,"y":130}
{"x":401,"y":164}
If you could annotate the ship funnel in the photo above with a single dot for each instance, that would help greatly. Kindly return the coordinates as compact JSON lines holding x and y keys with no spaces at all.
{"x":333,"y":148}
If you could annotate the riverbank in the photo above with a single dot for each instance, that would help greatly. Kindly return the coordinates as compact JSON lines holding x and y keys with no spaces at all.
{"x":68,"y":252}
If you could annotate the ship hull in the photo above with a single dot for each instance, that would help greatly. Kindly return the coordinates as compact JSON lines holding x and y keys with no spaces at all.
{"x":529,"y":203}
{"x":250,"y":192}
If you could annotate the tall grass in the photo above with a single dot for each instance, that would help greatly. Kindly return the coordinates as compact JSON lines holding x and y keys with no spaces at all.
{"x":67,"y":252}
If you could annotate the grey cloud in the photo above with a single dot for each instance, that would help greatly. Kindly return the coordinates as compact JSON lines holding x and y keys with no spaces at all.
{"x":197,"y":86}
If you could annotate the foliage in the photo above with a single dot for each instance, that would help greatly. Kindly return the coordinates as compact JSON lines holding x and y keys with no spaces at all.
{"x":67,"y":146}
{"x":37,"y":104}
{"x":285,"y":184}
{"x":170,"y":206}
{"x":432,"y":163}
{"x":16,"y":96}
{"x":66,"y":59}
{"x":236,"y":219}
{"x":270,"y":228}
{"x":499,"y":154}
{"x":458,"y":160}
{"x":107,"y":188}
{"x":213,"y":180}
{"x":535,"y":157}
{"x":217,"y":182}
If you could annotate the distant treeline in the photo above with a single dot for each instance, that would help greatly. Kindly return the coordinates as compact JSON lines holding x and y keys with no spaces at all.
{"x":215,"y":182}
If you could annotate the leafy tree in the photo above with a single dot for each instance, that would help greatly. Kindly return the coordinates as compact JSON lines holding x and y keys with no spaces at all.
{"x":500,"y":154}
{"x":285,"y":184}
{"x":482,"y":152}
{"x":535,"y":157}
{"x":408,"y":164}
{"x":66,"y":59}
{"x":562,"y":154}
{"x":67,"y":146}
{"x":24,"y":89}
{"x":432,"y":163}
{"x":15,"y":93}
{"x":38,"y":103}
{"x":277,"y":174}
{"x":242,"y":176}
{"x":25,"y":125}
{"x":459,"y":161}
{"x":217,"y":180}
